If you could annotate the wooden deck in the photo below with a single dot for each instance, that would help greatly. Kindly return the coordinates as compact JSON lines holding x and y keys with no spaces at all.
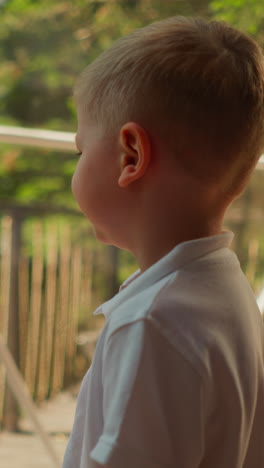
{"x":25,"y":449}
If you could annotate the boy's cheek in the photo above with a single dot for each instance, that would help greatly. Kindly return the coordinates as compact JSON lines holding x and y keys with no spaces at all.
{"x":84,"y":193}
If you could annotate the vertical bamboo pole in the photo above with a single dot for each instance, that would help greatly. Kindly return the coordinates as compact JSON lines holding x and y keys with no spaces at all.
{"x":23,"y":309}
{"x":35,"y":306}
{"x":10,"y":415}
{"x":5,"y":271}
{"x":73,"y":310}
{"x":112,"y":269}
{"x":86,"y":280}
{"x":60,"y":330}
{"x":47,"y":324}
{"x":253,"y":250}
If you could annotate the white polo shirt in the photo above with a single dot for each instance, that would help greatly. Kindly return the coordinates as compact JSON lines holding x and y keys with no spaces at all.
{"x":177,"y":379}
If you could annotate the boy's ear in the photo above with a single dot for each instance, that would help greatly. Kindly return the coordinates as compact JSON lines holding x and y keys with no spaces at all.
{"x":135,"y":153}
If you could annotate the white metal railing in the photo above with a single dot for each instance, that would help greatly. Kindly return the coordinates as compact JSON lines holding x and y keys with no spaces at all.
{"x":38,"y":138}
{"x":49,"y":139}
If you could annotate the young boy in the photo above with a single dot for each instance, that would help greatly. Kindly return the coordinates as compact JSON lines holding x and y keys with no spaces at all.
{"x":170,"y":127}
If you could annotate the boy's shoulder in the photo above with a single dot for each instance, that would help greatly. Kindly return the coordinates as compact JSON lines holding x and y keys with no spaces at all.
{"x":203,"y":307}
{"x":200,"y":306}
{"x":209,"y":313}
{"x":194,"y":276}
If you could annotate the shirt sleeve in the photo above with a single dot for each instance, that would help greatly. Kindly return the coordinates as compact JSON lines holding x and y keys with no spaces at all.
{"x":152,"y":403}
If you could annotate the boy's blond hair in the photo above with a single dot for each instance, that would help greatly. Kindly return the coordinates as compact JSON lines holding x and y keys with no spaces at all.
{"x":198,"y":85}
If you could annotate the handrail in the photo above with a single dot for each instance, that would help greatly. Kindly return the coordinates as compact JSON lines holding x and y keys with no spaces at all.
{"x":49,"y":139}
{"x":37,"y":137}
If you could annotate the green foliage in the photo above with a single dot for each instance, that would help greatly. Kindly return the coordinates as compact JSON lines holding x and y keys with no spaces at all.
{"x":45,"y":44}
{"x":35,"y":177}
{"x":247,"y":15}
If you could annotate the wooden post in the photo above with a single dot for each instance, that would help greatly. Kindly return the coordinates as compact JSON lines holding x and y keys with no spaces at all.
{"x":86,"y":285}
{"x":112,"y":269}
{"x":240,"y":246}
{"x":35,"y":308}
{"x":253,"y":251}
{"x":73,"y":311}
{"x":10,"y":416}
{"x":23,"y":309}
{"x":61,"y":312}
{"x":47,"y":317}
{"x":5,"y":269}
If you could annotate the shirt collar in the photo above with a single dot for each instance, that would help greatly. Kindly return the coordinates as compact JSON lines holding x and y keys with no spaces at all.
{"x":181,"y":255}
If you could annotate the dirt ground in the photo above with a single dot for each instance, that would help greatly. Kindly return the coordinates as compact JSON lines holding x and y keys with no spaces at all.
{"x":25,"y":449}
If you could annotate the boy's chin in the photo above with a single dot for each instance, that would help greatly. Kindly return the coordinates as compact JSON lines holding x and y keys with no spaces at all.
{"x":101,"y":236}
{"x":105,"y":238}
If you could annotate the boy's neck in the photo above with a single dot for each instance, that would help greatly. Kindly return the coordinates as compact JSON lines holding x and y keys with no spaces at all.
{"x":159,"y":238}
{"x":172,"y":207}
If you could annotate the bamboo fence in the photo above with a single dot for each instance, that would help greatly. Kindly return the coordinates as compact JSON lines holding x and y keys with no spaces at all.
{"x":54,"y":287}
